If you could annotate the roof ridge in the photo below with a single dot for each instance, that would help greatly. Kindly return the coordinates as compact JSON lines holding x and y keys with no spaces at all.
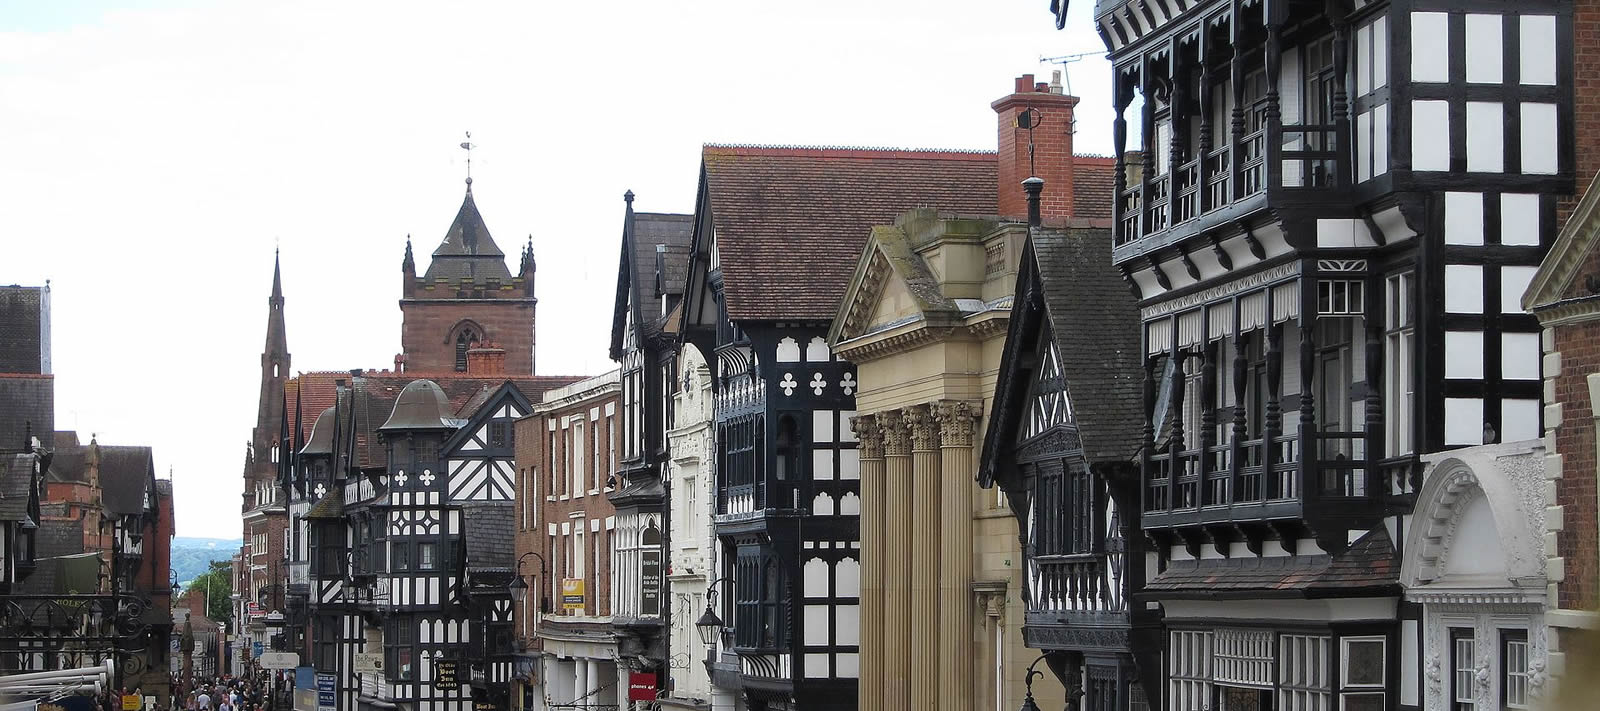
{"x":791,"y":150}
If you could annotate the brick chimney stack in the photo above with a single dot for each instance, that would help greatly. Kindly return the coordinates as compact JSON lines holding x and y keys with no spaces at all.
{"x":1051,"y":115}
{"x":486,"y":359}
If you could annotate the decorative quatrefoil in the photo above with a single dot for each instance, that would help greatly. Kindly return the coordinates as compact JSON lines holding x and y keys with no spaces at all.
{"x":788,"y":384}
{"x":426,"y":478}
{"x":321,"y":490}
{"x":817,"y":384}
{"x":400,"y":477}
{"x":849,"y":383}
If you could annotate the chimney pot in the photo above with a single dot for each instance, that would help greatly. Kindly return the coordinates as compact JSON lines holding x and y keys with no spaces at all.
{"x":1041,"y":88}
{"x":1023,"y":82}
{"x":1052,"y":157}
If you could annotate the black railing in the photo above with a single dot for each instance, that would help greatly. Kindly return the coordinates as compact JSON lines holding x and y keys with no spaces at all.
{"x":1187,"y":205}
{"x":1219,"y":178}
{"x":1131,"y":210}
{"x":1075,"y":583}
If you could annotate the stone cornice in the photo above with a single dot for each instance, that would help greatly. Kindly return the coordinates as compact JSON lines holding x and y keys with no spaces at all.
{"x":1569,"y":311}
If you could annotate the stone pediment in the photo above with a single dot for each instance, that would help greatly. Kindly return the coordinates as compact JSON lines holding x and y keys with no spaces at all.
{"x":1571,"y":269}
{"x":892,"y":286}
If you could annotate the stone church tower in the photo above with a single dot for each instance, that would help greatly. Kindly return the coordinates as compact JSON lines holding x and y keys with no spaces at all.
{"x":466,"y":296}
{"x":265,"y":440}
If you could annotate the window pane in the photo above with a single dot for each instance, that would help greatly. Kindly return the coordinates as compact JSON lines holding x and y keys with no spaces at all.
{"x":1363,"y":662}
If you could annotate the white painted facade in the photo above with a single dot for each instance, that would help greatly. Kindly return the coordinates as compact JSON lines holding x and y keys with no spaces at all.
{"x":1476,"y":564}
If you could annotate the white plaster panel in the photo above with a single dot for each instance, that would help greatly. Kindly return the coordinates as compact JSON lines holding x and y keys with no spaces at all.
{"x":817,"y":666}
{"x":847,"y":578}
{"x":1430,"y":135}
{"x":849,"y":504}
{"x":822,"y":426}
{"x":1380,"y":52}
{"x":1537,"y":63}
{"x":1363,"y":50}
{"x":815,"y":574}
{"x":788,"y":351}
{"x":822,"y":504}
{"x":1463,"y":355}
{"x":1519,"y":419}
{"x":817,"y":350}
{"x":846,"y":432}
{"x":1485,"y":39}
{"x":1463,"y":420}
{"x":822,"y":464}
{"x":1519,"y":219}
{"x":1539,"y":138}
{"x":1363,"y":153}
{"x":1380,"y":139}
{"x":1463,"y":288}
{"x":1486,"y":137}
{"x":847,"y":631}
{"x":1519,"y":356}
{"x":1514,"y":280}
{"x":849,"y":464}
{"x":1430,"y":47}
{"x":1343,"y":233}
{"x":849,"y":665}
{"x":1463,"y":218}
{"x":1409,"y":635}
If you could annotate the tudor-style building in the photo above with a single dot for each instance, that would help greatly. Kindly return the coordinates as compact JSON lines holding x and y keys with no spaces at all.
{"x":644,"y":331}
{"x":787,"y":466}
{"x":1333,"y":217}
{"x":1062,"y":445}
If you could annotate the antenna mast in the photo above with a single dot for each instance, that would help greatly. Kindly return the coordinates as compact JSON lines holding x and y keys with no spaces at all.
{"x":1064,"y":60}
{"x":467,"y":144}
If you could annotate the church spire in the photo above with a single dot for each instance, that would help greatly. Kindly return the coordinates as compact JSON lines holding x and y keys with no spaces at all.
{"x":274,"y":372}
{"x":276,"y":299}
{"x":409,"y":266}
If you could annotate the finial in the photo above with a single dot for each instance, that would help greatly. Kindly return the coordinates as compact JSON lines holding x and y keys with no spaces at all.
{"x":467,"y":144}
{"x":628,"y":197}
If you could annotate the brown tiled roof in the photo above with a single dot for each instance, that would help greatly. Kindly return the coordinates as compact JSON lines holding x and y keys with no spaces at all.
{"x":1369,"y":564}
{"x":125,"y":476}
{"x":1093,"y":186}
{"x":791,"y":222}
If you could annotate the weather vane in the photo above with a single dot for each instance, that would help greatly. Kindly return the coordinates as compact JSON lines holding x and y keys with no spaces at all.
{"x":467,"y":144}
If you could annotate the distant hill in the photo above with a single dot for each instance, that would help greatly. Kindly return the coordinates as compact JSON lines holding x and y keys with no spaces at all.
{"x":193,"y":556}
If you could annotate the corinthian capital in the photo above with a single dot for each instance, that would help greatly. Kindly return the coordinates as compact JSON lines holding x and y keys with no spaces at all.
{"x":869,"y":434}
{"x":923,"y":428}
{"x":896,"y":440}
{"x":956,"y":422}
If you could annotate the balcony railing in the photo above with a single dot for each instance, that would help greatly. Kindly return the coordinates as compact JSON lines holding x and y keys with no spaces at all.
{"x":1156,"y":205}
{"x":1253,"y":162}
{"x":1219,"y":178}
{"x":1187,"y":205}
{"x":1189,"y":480}
{"x":1075,"y":583}
{"x":1131,"y":213}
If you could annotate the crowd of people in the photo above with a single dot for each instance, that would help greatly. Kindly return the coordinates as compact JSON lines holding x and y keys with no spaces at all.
{"x":227,"y":693}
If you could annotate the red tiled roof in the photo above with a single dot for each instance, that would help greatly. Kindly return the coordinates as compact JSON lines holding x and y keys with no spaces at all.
{"x":1093,"y":186}
{"x":1368,"y":564}
{"x":318,"y":390}
{"x":791,"y":221}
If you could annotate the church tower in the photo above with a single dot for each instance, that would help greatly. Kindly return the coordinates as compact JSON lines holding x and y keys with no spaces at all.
{"x":262,"y":461}
{"x":466,"y":296}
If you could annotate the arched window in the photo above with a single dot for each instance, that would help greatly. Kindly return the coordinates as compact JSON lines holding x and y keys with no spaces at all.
{"x":464,"y":340}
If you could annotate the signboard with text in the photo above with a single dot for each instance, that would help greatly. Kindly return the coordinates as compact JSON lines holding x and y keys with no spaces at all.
{"x":369,"y":662}
{"x":650,"y":584}
{"x":327,"y":686}
{"x":445,"y":674}
{"x":131,"y":702}
{"x":641,"y":686}
{"x":572,"y":593}
{"x":279,"y":660}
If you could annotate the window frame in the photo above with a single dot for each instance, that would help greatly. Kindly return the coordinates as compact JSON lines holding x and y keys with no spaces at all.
{"x":1508,"y":638}
{"x":1457,"y":636}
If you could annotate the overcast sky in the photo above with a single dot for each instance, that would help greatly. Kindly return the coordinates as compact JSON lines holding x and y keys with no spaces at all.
{"x":153,"y":153}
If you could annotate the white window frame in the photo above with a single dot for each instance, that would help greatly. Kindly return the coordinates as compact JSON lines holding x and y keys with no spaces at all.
{"x":1399,"y":388}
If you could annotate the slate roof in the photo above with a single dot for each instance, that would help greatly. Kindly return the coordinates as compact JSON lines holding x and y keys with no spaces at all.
{"x":1095,"y":322}
{"x":125,"y":474}
{"x":791,"y":222}
{"x":27,"y":405}
{"x":490,"y":535}
{"x":1368,"y":564}
{"x":468,"y":252}
{"x":637,"y":267}
{"x":69,"y":465}
{"x":53,"y":539}
{"x":16,"y":482}
{"x":421,"y":405}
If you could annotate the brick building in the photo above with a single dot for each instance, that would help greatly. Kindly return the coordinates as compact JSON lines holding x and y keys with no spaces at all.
{"x":567,"y":452}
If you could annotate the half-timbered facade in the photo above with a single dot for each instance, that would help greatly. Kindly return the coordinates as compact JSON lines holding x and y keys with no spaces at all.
{"x":643,"y":342}
{"x":1331,"y":219}
{"x":787,"y":465}
{"x":1062,"y":445}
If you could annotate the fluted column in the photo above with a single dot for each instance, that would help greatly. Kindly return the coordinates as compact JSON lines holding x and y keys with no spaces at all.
{"x":955,"y":561}
{"x":925,"y":524}
{"x":896,"y":563}
{"x":869,"y":696}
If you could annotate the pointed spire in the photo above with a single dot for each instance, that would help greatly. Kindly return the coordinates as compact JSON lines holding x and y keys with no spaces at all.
{"x":409,"y":266}
{"x":527,"y":258}
{"x":277,"y":281}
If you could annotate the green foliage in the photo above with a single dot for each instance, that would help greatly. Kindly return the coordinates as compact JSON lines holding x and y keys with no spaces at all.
{"x":217,"y":583}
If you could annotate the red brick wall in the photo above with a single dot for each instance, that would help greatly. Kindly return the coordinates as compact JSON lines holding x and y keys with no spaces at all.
{"x":427,"y":331}
{"x":1052,"y":150}
{"x":1586,"y":100}
{"x":533,"y":471}
{"x":1576,"y":543}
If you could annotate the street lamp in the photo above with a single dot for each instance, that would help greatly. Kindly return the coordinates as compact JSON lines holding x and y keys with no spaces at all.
{"x":519,"y":585}
{"x":709,"y":625}
{"x":1027,"y":680}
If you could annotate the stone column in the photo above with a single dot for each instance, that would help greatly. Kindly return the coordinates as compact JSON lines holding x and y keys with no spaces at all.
{"x":925,"y":524}
{"x":869,"y":696}
{"x":896,"y":563}
{"x":956,"y":651}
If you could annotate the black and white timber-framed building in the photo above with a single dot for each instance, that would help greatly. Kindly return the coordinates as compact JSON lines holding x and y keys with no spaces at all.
{"x":1063,"y":446}
{"x":1331,"y":219}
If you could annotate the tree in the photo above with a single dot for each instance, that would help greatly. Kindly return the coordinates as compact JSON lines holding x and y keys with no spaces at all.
{"x":217,"y":585}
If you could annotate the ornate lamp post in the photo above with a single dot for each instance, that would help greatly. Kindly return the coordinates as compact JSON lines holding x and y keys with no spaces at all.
{"x":710,"y":625}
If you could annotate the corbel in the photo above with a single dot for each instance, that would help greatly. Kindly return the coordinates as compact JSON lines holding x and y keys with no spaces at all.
{"x":1250,"y":241}
{"x":1188,"y":264}
{"x":1222,"y":254}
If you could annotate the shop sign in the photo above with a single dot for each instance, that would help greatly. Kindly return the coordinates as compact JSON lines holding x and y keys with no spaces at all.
{"x":650,"y":583}
{"x":444,"y":674}
{"x":641,"y":686}
{"x":572,"y":593}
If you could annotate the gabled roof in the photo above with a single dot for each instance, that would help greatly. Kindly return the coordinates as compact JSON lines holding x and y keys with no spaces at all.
{"x":27,"y":406}
{"x":468,"y":252}
{"x":1066,"y":283}
{"x":490,"y":532}
{"x":17,"y":486}
{"x":126,"y":475}
{"x":643,"y":234}
{"x":1573,"y":248}
{"x":483,"y":407}
{"x":789,"y":223}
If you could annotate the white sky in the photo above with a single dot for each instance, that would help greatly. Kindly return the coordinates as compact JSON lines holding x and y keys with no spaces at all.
{"x":152,"y":154}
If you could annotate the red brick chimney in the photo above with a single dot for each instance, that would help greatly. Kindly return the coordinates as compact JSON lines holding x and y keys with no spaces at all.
{"x":486,"y":359}
{"x":1050,"y":113}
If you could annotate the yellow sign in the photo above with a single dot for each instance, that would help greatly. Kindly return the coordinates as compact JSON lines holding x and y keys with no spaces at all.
{"x":572,"y":593}
{"x":132,"y":703}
